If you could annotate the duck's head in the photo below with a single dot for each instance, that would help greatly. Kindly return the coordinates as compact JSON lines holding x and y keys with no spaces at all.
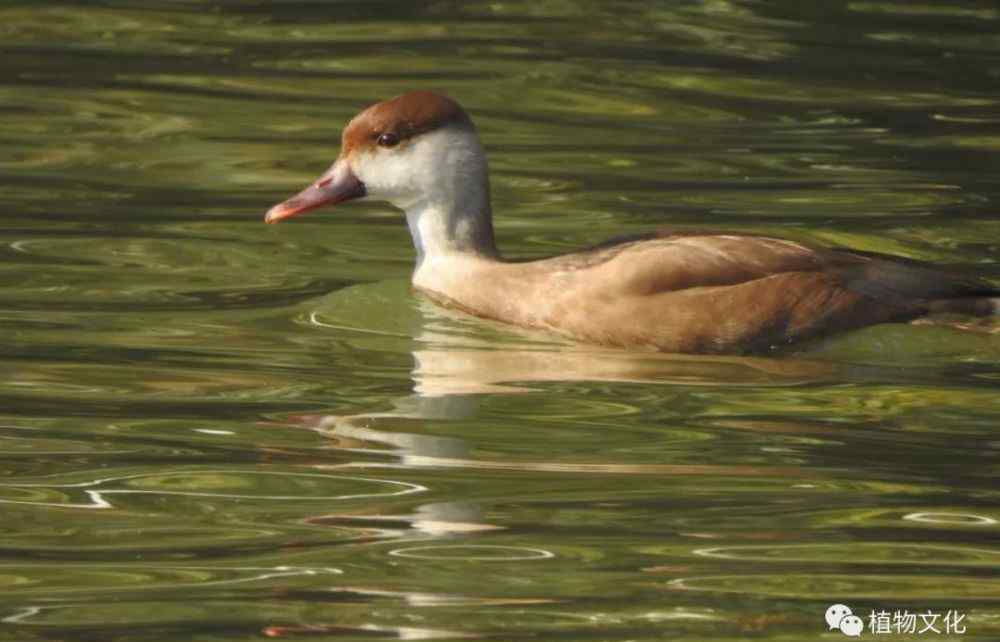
{"x":416,"y":151}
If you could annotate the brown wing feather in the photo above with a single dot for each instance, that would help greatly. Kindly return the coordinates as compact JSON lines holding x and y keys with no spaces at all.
{"x":692,"y":292}
{"x":715,"y":259}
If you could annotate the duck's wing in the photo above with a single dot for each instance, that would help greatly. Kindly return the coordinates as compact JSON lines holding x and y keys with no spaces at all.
{"x":679,"y":260}
{"x":693,"y":292}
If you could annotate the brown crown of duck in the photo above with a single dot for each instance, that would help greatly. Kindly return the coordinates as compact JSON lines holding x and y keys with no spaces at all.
{"x":386,"y":124}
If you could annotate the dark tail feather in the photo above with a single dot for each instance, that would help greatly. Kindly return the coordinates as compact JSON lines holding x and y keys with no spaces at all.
{"x":907,"y":282}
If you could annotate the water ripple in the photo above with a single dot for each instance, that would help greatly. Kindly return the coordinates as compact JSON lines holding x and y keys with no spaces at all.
{"x":198,"y":479}
{"x":473,"y":552}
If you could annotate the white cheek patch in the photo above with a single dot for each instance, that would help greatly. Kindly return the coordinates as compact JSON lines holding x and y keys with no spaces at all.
{"x":423,"y":169}
{"x":388,"y":174}
{"x":440,"y":180}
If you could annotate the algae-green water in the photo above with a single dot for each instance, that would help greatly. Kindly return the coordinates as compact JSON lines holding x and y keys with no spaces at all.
{"x":212,"y":429}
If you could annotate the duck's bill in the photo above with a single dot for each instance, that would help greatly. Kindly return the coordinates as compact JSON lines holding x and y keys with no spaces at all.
{"x":337,"y":185}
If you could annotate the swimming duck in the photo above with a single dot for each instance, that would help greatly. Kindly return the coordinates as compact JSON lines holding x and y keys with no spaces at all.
{"x":670,"y":291}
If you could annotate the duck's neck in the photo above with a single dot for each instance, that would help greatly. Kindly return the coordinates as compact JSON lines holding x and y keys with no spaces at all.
{"x":458,"y":228}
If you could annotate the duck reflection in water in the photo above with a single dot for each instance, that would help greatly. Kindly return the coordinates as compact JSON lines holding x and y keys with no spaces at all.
{"x":454,"y":371}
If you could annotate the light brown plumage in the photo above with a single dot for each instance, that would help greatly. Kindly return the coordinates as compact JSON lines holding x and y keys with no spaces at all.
{"x":689,"y":292}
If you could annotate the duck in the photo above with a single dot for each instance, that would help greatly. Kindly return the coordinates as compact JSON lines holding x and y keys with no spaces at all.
{"x":667,"y":290}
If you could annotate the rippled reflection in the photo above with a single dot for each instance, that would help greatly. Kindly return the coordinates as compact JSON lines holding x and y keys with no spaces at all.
{"x":884,"y":587}
{"x":472,"y":552}
{"x":197,"y":482}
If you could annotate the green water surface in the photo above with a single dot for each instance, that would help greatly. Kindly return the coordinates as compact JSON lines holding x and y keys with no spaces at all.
{"x":212,"y":429}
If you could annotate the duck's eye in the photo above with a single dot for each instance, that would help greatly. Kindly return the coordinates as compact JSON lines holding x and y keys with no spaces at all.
{"x":388,"y":139}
